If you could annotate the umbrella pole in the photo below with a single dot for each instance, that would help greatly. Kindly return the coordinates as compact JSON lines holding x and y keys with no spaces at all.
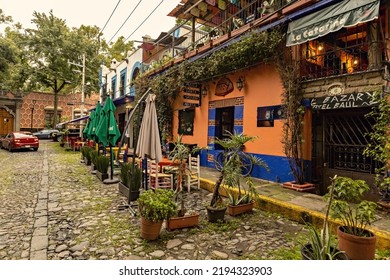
{"x":111,"y":180}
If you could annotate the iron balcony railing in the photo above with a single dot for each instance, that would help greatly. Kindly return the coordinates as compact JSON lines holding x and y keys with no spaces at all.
{"x":336,"y":61}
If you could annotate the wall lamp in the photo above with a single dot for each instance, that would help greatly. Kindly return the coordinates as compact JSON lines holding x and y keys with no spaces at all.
{"x":240,"y":83}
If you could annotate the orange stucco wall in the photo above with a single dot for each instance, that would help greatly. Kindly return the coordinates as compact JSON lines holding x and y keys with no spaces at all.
{"x":262,"y":88}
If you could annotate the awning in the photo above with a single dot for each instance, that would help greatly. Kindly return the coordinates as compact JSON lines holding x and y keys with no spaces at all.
{"x":72,"y":121}
{"x":330,"y":19}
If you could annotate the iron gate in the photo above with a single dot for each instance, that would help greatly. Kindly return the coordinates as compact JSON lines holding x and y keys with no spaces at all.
{"x":339,"y":139}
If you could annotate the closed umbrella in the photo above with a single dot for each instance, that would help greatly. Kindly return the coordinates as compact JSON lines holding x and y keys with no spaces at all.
{"x":148,"y":142}
{"x":108,"y":132}
{"x":95,"y":123}
{"x":86,"y":129}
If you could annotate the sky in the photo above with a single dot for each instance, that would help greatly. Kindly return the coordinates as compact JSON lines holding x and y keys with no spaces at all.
{"x":97,"y":12}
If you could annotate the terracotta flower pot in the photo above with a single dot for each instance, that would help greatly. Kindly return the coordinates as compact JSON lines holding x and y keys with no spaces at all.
{"x":183,"y":222}
{"x":235,"y":210}
{"x":356,"y":247}
{"x":150,"y":230}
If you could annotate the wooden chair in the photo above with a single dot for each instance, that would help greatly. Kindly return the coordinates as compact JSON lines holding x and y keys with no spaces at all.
{"x":193,"y":176}
{"x":158,"y":179}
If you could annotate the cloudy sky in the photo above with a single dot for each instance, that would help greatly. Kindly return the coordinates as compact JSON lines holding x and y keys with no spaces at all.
{"x":97,"y":12}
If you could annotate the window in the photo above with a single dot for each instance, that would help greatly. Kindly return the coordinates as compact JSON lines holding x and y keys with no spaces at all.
{"x":186,"y":122}
{"x":267,"y":115}
{"x":122,"y":83}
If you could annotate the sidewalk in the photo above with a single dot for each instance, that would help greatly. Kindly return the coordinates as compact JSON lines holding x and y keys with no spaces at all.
{"x":298,"y":206}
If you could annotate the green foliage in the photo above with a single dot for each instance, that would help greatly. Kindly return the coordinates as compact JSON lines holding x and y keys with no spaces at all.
{"x":131,"y":178}
{"x":355,"y":218}
{"x":86,"y":152}
{"x":233,"y":166}
{"x":157,"y":205}
{"x":102,"y":163}
{"x":94,"y":154}
{"x":379,"y":146}
{"x":255,"y":48}
{"x":293,"y":111}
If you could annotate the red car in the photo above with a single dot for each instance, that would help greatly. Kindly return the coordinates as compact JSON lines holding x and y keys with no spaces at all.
{"x":19,"y":140}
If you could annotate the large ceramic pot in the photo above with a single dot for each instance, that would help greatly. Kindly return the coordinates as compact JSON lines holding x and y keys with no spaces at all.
{"x":235,"y":210}
{"x":150,"y":230}
{"x":356,"y":247}
{"x":183,"y":222}
{"x":216,"y":214}
{"x":307,"y":253}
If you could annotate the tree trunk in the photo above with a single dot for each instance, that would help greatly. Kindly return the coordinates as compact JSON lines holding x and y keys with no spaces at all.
{"x":215,"y":198}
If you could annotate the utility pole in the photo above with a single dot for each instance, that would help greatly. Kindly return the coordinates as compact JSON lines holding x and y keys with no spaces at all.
{"x":82,"y":92}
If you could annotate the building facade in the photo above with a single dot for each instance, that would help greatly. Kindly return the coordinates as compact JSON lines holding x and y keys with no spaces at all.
{"x":342,"y":52}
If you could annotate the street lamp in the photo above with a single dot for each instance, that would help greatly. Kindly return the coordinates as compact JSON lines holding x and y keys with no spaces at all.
{"x":32,"y":113}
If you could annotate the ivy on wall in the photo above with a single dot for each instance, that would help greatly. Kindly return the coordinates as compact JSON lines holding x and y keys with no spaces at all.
{"x":254,"y":48}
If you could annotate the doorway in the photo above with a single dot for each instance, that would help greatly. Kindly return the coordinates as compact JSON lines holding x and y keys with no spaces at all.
{"x":339,"y":139}
{"x":6,"y":122}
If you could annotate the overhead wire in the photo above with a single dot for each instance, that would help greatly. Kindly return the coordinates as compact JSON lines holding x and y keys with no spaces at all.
{"x":110,"y":16}
{"x":144,"y":20}
{"x":139,"y":2}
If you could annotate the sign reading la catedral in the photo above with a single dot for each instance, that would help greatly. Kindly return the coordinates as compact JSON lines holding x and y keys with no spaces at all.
{"x":192,"y":94}
{"x":343,"y":101}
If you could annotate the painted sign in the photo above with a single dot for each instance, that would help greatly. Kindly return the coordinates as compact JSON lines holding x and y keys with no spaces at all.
{"x":192,"y":93}
{"x":344,"y":101}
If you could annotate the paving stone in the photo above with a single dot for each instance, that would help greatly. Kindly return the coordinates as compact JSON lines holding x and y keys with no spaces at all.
{"x":39,"y":243}
{"x":173,"y":243}
{"x":157,"y":254}
{"x":38,"y":255}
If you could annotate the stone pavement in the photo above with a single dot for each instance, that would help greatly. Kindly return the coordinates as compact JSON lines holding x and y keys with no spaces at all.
{"x":52,"y":207}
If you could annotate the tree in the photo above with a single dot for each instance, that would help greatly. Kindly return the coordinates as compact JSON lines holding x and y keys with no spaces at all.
{"x":118,"y":49}
{"x":50,"y":47}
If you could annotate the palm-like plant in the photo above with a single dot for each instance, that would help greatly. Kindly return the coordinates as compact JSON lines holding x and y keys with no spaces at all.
{"x":235,"y":160}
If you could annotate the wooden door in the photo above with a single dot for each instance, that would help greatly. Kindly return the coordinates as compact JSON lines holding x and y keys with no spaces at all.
{"x":6,"y":122}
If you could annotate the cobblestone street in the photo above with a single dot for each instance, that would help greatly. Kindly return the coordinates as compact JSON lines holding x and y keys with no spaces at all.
{"x":52,"y":207}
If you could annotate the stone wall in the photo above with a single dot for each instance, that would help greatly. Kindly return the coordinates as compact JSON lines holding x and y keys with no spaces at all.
{"x":359,"y":82}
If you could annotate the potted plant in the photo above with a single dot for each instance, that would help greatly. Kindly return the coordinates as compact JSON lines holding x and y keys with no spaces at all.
{"x":183,"y":218}
{"x":355,"y":215}
{"x":130,"y":180}
{"x":86,"y":153}
{"x":94,"y":154}
{"x":154,"y":206}
{"x":234,"y":168}
{"x":102,"y":163}
{"x":319,"y":246}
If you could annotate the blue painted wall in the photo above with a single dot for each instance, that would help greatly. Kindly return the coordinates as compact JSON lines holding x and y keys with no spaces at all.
{"x":279,"y":167}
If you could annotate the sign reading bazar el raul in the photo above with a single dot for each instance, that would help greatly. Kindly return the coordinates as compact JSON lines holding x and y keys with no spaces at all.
{"x":344,"y":101}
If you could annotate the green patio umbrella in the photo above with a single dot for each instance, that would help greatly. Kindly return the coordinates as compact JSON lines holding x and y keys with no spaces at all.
{"x":86,"y":128}
{"x":108,"y":132}
{"x":95,"y":122}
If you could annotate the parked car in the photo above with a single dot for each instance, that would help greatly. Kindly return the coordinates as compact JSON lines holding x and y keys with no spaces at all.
{"x":47,"y":133}
{"x":19,"y":140}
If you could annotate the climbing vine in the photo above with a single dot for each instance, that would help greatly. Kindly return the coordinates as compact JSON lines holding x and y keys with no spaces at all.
{"x":252,"y":49}
{"x":292,"y":95}
{"x":379,"y":146}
